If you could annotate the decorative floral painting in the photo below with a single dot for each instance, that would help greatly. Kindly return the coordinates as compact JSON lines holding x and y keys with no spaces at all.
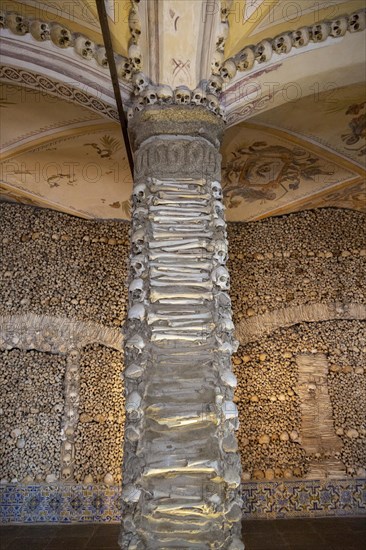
{"x":263,"y":172}
{"x":357,"y":129}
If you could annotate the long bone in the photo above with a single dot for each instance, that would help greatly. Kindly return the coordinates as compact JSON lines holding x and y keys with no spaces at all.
{"x":177,"y":236}
{"x":179,"y":296}
{"x":183,"y":196}
{"x":175,"y":336}
{"x":181,"y":268}
{"x":176,"y":328}
{"x":180,"y":229}
{"x":186,"y":202}
{"x":169,"y":257}
{"x":183,"y":244}
{"x":177,"y":184}
{"x":186,"y":326}
{"x":155,"y":317}
{"x":174,"y":283}
{"x":181,"y":211}
{"x":177,"y":276}
{"x":163,"y":220}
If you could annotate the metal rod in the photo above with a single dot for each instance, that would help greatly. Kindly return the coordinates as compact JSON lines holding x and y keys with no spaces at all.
{"x":103,"y":19}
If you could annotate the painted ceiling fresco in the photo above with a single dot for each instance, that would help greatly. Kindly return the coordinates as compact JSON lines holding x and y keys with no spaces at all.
{"x":61,"y":155}
{"x":266,"y":173}
{"x":279,"y":154}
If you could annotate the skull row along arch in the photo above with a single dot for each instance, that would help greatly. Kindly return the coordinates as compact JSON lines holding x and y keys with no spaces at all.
{"x":222,"y":71}
{"x":283,"y":44}
{"x":63,"y":37}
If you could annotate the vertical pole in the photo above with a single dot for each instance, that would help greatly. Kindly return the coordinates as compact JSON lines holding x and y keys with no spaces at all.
{"x":181,"y":473}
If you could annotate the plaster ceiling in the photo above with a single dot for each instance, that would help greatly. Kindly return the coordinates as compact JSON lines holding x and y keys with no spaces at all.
{"x":281,"y":153}
{"x":254,"y":20}
{"x":79,"y":16}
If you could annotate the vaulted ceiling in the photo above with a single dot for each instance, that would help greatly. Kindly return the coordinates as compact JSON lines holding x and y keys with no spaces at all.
{"x":296,"y":127}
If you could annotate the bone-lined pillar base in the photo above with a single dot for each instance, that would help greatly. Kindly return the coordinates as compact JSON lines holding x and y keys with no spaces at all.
{"x":181,"y":471}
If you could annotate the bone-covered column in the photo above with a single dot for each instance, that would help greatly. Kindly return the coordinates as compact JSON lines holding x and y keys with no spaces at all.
{"x":181,"y":471}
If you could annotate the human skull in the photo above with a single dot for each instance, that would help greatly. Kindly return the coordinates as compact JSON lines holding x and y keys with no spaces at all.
{"x":61,"y":36}
{"x":67,"y":458}
{"x":140,"y":214}
{"x":338,"y":27}
{"x":16,"y":23}
{"x":223,"y":33}
{"x":140,"y":82}
{"x":2,"y":19}
{"x":138,"y":265}
{"x":225,"y":10}
{"x":219,"y":208}
{"x":136,"y":290}
{"x":139,"y":193}
{"x":282,"y":43}
{"x":263,"y":51}
{"x":198,"y":96}
{"x":217,"y":62}
{"x":138,"y":104}
{"x":134,"y":24}
{"x":149,"y":95}
{"x":138,"y":241}
{"x":137,"y":312}
{"x":39,"y":30}
{"x":320,"y":31}
{"x":214,"y":85}
{"x":219,"y":224}
{"x":124,"y":67}
{"x":131,"y":493}
{"x":134,"y":53}
{"x":132,"y":433}
{"x":245,"y":59}
{"x":84,"y":47}
{"x":100,"y":55}
{"x":226,"y":325}
{"x":220,"y":252}
{"x":182,"y":95}
{"x":216,"y":190}
{"x":228,"y":70}
{"x":357,"y":21}
{"x":165,"y":94}
{"x":130,"y":113}
{"x":220,"y":277}
{"x":135,"y":343}
{"x":301,"y":37}
{"x":133,"y":402}
{"x":213,"y":103}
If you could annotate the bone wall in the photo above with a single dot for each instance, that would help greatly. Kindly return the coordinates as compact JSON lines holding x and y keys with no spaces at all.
{"x":298,"y":295}
{"x":310,"y":262}
{"x":99,"y":433}
{"x":32,"y":403}
{"x":63,"y":302}
{"x":54,"y":264}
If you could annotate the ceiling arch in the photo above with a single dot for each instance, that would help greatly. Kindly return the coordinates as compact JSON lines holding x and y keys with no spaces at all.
{"x":295,"y":134}
{"x":251,"y":21}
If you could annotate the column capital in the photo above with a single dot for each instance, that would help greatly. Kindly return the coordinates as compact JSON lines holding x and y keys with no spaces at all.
{"x":175,"y":120}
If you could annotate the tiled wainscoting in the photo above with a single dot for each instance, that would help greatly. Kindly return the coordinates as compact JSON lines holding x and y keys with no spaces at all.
{"x":94,"y":504}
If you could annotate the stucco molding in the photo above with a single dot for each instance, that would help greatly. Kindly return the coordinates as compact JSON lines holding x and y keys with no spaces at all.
{"x":253,"y":328}
{"x":62,"y":90}
{"x":54,"y":334}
